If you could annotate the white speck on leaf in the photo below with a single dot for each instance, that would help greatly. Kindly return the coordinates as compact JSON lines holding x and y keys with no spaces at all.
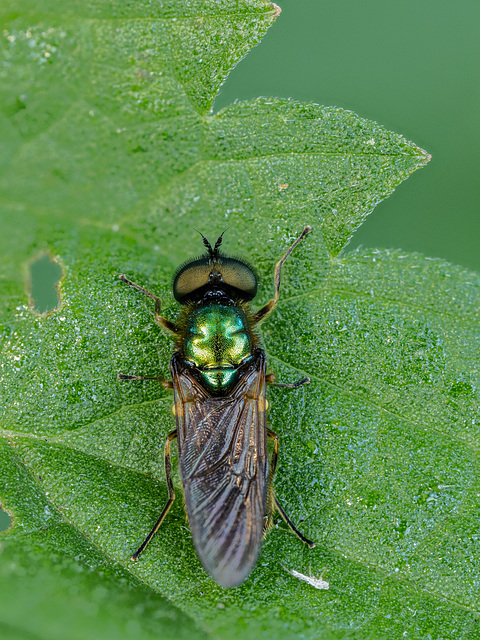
{"x":318,"y":583}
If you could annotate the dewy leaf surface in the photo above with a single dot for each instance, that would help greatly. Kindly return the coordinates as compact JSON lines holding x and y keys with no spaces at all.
{"x":110,"y":159}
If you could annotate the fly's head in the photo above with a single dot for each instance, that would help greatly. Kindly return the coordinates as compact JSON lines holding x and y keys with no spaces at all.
{"x":216,"y":334}
{"x":214,"y":277}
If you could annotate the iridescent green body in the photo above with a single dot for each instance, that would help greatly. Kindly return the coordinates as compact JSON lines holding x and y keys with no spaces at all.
{"x":219,"y":378}
{"x":217,"y":340}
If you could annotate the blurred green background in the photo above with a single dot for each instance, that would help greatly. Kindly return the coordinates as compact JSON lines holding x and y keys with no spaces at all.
{"x":411,"y":66}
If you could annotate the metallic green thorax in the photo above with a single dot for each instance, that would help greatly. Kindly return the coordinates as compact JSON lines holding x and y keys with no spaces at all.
{"x":217,"y":340}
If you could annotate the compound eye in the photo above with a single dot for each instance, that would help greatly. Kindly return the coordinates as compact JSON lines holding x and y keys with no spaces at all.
{"x":237,"y":274}
{"x":191,"y":277}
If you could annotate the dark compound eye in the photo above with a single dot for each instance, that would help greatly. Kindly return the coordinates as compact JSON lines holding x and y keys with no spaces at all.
{"x":229,"y":274}
{"x":238,"y":275}
{"x":190,"y":277}
{"x":214,"y":274}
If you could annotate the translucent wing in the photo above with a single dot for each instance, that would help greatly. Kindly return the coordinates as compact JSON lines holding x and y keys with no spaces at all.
{"x":222,"y":445}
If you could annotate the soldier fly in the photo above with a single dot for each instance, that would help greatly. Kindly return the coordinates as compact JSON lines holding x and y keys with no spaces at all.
{"x":219,"y":379}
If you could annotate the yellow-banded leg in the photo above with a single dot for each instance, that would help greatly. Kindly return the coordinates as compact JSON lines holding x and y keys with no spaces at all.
{"x":168,"y":384}
{"x":171,"y":495}
{"x":273,"y":464}
{"x":264,"y":311}
{"x":270,"y":377}
{"x":162,"y":321}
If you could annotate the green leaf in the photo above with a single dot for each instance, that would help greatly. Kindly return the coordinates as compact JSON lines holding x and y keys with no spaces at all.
{"x":110,"y":160}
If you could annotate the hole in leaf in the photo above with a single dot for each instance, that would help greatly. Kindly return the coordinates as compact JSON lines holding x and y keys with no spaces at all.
{"x":5,"y":520}
{"x":44,"y":276}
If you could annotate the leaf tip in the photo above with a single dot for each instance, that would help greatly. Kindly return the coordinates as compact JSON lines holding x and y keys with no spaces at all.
{"x":426,"y":157}
{"x":276,"y":10}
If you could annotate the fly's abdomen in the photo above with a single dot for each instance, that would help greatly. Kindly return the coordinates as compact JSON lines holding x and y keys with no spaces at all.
{"x":224,"y":466}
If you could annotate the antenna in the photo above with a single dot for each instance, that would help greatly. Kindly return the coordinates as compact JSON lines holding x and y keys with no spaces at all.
{"x":211,"y":252}
{"x":217,"y":245}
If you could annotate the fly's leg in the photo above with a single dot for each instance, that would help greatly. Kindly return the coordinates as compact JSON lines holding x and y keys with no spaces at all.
{"x":162,"y":321}
{"x":171,"y":495}
{"x":168,"y":384}
{"x":270,"y":377}
{"x":264,"y":311}
{"x":273,"y":464}
{"x":300,"y":535}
